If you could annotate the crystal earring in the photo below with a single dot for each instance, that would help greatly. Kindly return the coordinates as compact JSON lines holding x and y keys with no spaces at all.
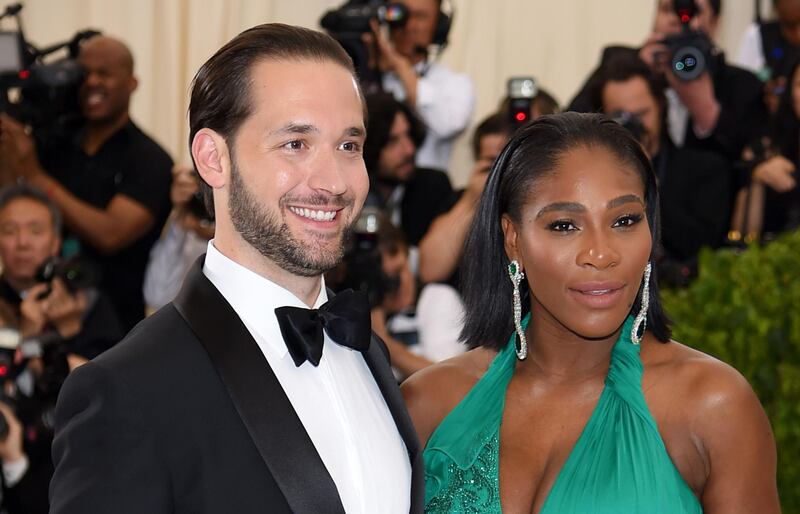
{"x":516,"y":275}
{"x":640,"y":323}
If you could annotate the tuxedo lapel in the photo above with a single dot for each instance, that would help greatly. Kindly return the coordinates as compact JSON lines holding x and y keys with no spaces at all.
{"x":378,"y":364}
{"x":256,"y":393}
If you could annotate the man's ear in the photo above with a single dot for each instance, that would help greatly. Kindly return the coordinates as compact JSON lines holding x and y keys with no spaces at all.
{"x":210,"y":153}
{"x":510,"y":238}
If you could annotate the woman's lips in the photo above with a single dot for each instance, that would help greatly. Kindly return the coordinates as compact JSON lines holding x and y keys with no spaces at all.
{"x":597,"y":295}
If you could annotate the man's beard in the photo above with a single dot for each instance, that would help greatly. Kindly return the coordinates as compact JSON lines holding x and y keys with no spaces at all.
{"x":274,"y":240}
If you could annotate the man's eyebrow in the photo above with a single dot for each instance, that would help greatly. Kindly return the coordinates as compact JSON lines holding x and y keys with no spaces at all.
{"x":355,"y":132}
{"x":616,"y":202}
{"x":295,"y":128}
{"x":561,"y":206}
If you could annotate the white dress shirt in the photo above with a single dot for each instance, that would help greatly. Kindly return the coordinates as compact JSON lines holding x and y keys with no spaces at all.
{"x":445,"y":101}
{"x":338,"y":402}
{"x":751,"y":51}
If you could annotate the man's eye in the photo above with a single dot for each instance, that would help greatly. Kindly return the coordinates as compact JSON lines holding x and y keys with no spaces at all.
{"x":294,"y":145}
{"x":351,"y":146}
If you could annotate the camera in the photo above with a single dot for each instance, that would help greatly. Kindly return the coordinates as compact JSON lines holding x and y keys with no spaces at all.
{"x":75,"y":272}
{"x":349,"y":22}
{"x":521,"y":92}
{"x":43,"y":95}
{"x":691,"y":52}
{"x":362,"y":267}
{"x":631,"y":122}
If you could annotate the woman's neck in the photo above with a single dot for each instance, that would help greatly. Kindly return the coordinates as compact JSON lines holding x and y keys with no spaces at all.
{"x":561,"y":355}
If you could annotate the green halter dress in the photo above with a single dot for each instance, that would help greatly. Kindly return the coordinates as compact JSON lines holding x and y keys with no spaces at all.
{"x":618,"y":465}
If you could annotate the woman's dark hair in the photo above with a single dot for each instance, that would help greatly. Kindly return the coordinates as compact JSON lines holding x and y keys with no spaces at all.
{"x":382,"y":109}
{"x":532,"y":153}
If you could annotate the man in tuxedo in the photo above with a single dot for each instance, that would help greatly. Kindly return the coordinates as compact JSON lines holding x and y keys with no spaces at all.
{"x":233,"y":398}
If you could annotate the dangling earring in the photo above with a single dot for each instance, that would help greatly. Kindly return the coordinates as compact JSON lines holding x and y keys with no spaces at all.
{"x":516,"y":275}
{"x":641,"y":318}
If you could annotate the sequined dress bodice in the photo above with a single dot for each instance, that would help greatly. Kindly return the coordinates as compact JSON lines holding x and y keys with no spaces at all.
{"x":618,"y":465}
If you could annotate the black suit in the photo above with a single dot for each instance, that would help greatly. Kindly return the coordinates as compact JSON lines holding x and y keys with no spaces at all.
{"x":185,"y":415}
{"x":695,"y":189}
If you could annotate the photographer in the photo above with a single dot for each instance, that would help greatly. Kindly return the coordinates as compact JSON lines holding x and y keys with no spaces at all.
{"x":111,"y":181}
{"x":720,"y":110}
{"x":771,"y":204}
{"x":443,"y":99}
{"x":410,"y":196}
{"x":440,"y":249}
{"x":184,"y":238}
{"x":59,"y":325}
{"x":768,"y":49}
{"x":695,"y":185}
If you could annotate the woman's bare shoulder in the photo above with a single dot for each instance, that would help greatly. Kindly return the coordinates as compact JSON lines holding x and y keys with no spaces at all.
{"x":725,"y":417}
{"x":434,"y":391}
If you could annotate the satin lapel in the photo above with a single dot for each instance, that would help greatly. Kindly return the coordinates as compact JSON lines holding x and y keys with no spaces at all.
{"x":258,"y":397}
{"x":382,"y":372}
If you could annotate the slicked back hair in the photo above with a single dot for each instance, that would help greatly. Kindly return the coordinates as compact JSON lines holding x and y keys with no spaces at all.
{"x":221,"y":99}
{"x":532,"y":154}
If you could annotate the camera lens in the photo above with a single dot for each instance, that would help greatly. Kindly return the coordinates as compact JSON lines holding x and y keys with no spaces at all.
{"x":688,"y":63}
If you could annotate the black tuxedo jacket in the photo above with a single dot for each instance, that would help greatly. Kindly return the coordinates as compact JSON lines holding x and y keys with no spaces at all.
{"x":185,"y":415}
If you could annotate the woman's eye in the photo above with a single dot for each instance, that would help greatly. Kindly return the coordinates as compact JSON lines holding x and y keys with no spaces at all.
{"x":628,"y":220}
{"x":562,"y":226}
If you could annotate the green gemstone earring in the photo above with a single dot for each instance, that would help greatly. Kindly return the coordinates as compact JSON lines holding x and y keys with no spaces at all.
{"x":516,"y":275}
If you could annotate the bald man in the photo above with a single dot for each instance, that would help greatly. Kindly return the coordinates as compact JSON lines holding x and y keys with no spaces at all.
{"x":110,"y":180}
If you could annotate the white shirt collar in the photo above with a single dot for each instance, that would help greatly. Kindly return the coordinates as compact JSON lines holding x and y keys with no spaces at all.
{"x":254,"y":298}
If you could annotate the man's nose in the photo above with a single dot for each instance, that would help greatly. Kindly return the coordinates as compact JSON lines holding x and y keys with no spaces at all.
{"x":326,"y":173}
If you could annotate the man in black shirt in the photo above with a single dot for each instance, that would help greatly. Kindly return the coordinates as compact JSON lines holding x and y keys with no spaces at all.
{"x":411,"y":196}
{"x":722,"y":110}
{"x":111,"y":181}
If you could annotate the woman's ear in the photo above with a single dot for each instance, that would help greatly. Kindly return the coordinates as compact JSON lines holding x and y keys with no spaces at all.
{"x":210,"y":153}
{"x":510,"y":237}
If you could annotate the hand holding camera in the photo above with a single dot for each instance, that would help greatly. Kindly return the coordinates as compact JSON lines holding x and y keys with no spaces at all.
{"x":11,"y":442}
{"x":54,"y":305}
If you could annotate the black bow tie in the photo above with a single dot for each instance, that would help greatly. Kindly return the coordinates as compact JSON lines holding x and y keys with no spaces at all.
{"x":345,"y":317}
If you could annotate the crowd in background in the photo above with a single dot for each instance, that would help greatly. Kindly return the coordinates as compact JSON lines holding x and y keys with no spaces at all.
{"x":98,"y":227}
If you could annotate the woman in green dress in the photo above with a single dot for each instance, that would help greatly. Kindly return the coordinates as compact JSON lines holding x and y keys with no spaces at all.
{"x":574,"y":399}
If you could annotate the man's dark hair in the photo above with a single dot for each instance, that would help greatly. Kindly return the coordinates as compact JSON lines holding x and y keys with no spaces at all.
{"x":622,"y":68}
{"x":546,"y":102}
{"x":10,"y":193}
{"x":496,"y":123}
{"x":383,"y":108}
{"x":533,"y":153}
{"x":391,"y":239}
{"x":220,"y":93}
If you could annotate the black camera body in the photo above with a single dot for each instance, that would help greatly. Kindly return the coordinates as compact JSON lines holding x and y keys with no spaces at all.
{"x":363,"y":262}
{"x":631,"y":122}
{"x":349,"y":22}
{"x":42,"y":95}
{"x":691,"y":51}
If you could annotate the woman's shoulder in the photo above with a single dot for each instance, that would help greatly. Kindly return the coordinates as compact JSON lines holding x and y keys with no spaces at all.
{"x":434,"y":391}
{"x":718,"y":408}
{"x":714,"y":397}
{"x":690,"y":370}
